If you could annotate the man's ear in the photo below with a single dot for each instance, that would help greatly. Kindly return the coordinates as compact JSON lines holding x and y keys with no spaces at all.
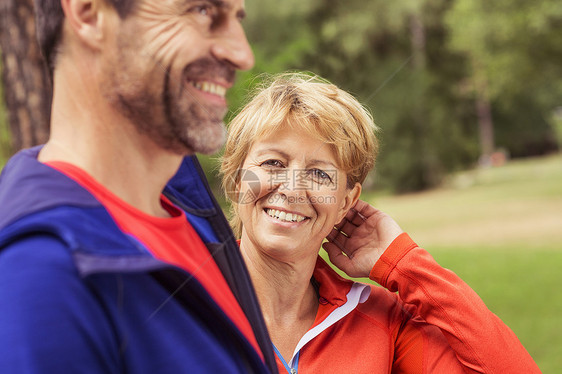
{"x":85,"y":18}
{"x":349,"y":201}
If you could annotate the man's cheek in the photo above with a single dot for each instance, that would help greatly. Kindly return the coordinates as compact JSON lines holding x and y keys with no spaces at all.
{"x":166,"y":43}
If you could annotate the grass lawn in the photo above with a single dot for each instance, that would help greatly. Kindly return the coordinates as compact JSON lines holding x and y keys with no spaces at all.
{"x":500,"y":229}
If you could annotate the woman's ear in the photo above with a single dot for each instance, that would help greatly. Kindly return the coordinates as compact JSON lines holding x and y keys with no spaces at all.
{"x":349,"y":201}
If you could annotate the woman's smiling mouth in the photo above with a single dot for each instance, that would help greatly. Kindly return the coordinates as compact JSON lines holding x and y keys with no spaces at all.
{"x":284,"y":216}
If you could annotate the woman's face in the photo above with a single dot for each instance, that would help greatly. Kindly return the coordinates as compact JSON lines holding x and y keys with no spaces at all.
{"x":292,"y":193}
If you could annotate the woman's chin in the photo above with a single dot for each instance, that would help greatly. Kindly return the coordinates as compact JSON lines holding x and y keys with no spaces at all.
{"x":288,"y":247}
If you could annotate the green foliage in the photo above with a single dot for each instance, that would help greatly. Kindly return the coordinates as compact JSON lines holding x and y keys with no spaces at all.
{"x":279,"y":37}
{"x":526,"y":131}
{"x":516,"y":43}
{"x":515,"y":48}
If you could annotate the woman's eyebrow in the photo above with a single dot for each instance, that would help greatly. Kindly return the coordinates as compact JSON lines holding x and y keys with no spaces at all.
{"x":272,"y":150}
{"x":285,"y":155}
{"x":322,"y":162}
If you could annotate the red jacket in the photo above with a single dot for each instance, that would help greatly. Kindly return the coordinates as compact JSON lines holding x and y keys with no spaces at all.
{"x":435,"y":324}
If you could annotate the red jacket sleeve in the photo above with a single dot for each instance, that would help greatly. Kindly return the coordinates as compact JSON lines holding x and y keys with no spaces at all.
{"x":481,"y":341}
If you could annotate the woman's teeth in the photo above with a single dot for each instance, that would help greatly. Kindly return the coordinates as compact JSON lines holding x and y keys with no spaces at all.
{"x":284,"y":216}
{"x":210,"y":87}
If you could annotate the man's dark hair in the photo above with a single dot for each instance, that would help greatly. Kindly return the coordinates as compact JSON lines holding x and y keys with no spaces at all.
{"x":49,"y":18}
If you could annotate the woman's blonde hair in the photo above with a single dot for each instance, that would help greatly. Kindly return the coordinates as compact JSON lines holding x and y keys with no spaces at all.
{"x":308,"y":103}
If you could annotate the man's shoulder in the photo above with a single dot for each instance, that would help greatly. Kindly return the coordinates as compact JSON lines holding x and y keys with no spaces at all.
{"x":29,"y":257}
{"x":76,"y":229}
{"x":27,"y":186}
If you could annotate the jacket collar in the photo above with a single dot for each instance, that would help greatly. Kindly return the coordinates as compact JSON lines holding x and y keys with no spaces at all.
{"x":189,"y":190}
{"x":332,"y":287}
{"x":28,"y":186}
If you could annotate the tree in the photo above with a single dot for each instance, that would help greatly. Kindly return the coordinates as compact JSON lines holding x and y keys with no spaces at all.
{"x":514,"y":50}
{"x":391,"y":56}
{"x":280,"y":37}
{"x":27,"y":86}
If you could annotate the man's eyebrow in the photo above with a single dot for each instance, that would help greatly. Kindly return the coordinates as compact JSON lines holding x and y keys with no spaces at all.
{"x":216,"y":3}
{"x":222,"y":5}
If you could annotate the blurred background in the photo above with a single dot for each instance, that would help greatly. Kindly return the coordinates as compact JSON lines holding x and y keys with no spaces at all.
{"x":468,"y":97}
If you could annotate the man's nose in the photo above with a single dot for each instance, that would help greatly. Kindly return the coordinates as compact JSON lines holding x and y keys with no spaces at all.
{"x":232,"y":46}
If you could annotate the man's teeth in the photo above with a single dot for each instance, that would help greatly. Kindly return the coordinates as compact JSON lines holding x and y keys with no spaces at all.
{"x":210,"y":87}
{"x":284,"y":216}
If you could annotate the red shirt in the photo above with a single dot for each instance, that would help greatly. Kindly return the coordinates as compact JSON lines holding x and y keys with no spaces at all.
{"x":171,"y":239}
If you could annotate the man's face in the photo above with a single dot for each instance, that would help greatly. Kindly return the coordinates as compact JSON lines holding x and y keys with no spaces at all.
{"x":169,"y":68}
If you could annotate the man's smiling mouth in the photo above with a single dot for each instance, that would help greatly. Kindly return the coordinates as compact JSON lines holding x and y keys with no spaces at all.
{"x":284,"y":216}
{"x":209,"y":87}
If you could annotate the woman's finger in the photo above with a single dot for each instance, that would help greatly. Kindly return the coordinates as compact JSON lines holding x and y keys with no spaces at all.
{"x":355,"y":217}
{"x":335,"y":236}
{"x":337,"y":257}
{"x":347,"y":228}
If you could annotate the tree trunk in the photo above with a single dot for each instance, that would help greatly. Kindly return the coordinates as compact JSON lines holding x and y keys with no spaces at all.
{"x":429,"y":167}
{"x":484,"y":113}
{"x":485,"y":125}
{"x":27,"y":86}
{"x":417,"y":40}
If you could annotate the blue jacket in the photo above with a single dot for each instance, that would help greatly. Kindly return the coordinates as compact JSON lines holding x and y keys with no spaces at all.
{"x":77,"y":295}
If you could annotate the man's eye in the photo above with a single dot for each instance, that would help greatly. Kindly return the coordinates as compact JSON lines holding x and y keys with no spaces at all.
{"x":203,"y":9}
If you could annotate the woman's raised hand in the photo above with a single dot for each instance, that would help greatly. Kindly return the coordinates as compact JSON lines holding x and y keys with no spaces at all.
{"x":359,"y":240}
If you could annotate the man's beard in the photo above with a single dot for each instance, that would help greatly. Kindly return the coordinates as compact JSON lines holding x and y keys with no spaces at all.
{"x":167,"y":113}
{"x":203,"y":128}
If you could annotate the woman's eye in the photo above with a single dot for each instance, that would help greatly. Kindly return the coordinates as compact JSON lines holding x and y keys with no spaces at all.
{"x":272,"y":163}
{"x":321,"y":176}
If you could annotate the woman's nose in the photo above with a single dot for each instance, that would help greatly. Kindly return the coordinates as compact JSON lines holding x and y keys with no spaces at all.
{"x":294,"y":184}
